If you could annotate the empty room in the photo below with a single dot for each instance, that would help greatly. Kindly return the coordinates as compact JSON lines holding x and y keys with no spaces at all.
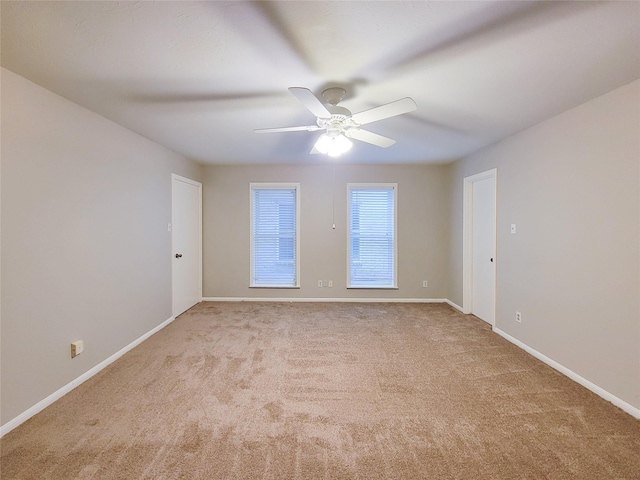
{"x":320,"y":240}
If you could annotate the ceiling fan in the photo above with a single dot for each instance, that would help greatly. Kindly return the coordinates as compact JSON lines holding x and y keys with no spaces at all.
{"x":340,"y":124}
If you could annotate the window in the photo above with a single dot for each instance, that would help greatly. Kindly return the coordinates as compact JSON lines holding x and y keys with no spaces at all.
{"x":372,"y":235}
{"x":274,"y":235}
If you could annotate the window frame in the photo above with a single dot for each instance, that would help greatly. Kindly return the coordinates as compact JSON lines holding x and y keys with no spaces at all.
{"x":273,"y":186}
{"x":373,"y":186}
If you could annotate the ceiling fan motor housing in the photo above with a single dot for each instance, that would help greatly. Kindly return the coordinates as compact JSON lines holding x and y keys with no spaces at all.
{"x":333,"y":95}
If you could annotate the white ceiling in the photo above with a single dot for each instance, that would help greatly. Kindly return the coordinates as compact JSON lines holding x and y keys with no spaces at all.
{"x":198,"y":77}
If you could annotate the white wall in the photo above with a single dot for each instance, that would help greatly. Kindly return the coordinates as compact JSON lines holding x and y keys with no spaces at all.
{"x":572,"y":186}
{"x":85,"y":247}
{"x":423,"y":240}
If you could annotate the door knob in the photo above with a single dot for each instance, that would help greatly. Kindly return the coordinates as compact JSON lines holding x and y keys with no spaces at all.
{"x":178,"y":255}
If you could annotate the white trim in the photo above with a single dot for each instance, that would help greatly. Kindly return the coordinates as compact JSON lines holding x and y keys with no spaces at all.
{"x":275,"y":186}
{"x":327,"y":300}
{"x":373,"y":186}
{"x":175,"y":177}
{"x":467,"y":237}
{"x":372,"y":288}
{"x":630,"y":409}
{"x":454,"y":305}
{"x":42,"y":404}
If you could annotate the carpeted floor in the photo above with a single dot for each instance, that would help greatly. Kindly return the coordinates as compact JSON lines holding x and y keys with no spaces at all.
{"x":326,"y":391}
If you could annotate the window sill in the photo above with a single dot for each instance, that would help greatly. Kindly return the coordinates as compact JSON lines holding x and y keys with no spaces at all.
{"x":275,"y":286}
{"x":371,"y":288}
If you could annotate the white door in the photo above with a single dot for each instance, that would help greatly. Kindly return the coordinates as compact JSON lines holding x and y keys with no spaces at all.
{"x":186,"y":241}
{"x":479,"y":245}
{"x":484,"y":249}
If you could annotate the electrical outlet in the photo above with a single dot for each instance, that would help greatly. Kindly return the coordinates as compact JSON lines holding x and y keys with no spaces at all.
{"x":330,"y":284}
{"x":518,"y":317}
{"x":425,"y":284}
{"x":319,"y":283}
{"x":76,"y":348}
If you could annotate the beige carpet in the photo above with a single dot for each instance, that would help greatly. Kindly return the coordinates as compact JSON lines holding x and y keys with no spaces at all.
{"x":326,"y":391}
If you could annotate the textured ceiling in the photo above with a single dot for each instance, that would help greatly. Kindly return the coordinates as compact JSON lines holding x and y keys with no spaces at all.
{"x":198,"y":77}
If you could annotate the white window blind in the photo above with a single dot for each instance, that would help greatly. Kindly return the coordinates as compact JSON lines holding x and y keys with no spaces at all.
{"x":274,"y":235}
{"x":372,"y":236}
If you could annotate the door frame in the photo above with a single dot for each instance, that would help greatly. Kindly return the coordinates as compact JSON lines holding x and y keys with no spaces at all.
{"x":467,"y":239}
{"x":174,"y":178}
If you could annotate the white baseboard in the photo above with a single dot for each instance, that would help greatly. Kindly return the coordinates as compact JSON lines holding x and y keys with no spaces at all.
{"x":327,"y":300}
{"x":454,"y":305}
{"x":630,"y":409}
{"x":41,"y":405}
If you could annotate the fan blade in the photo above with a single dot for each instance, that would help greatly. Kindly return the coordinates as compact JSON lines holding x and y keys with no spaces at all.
{"x":309,"y":100}
{"x":404,"y":105}
{"x":370,"y":137}
{"x":306,"y":128}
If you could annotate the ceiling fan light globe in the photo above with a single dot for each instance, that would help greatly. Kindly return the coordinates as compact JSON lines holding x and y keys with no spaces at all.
{"x":342,"y":143}
{"x":333,"y":144}
{"x":324,"y":143}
